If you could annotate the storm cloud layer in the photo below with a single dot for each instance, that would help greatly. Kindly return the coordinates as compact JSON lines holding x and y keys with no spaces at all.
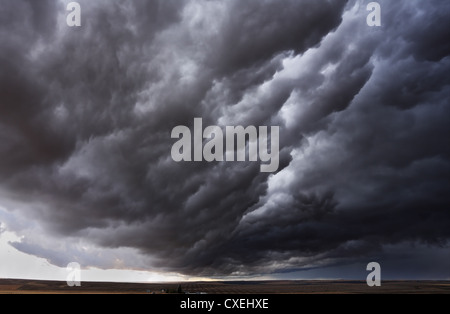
{"x":86,"y":114}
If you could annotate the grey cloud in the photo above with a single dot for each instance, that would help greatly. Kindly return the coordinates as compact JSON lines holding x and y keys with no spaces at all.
{"x":85,"y":124}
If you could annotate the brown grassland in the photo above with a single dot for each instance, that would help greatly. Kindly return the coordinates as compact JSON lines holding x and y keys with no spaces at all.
{"x":20,"y":286}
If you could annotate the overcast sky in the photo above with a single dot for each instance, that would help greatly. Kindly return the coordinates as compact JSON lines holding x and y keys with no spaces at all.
{"x":86,"y":114}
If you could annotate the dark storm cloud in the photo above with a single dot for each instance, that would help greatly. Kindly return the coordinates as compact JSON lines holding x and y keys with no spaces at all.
{"x":86,"y":115}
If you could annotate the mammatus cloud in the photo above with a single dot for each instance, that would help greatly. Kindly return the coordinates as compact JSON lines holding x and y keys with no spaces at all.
{"x":86,"y":116}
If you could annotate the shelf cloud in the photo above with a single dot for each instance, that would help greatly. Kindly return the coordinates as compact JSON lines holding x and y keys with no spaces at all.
{"x":86,"y":115}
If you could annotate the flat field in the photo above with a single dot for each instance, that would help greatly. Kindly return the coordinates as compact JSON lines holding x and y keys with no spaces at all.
{"x":20,"y":286}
